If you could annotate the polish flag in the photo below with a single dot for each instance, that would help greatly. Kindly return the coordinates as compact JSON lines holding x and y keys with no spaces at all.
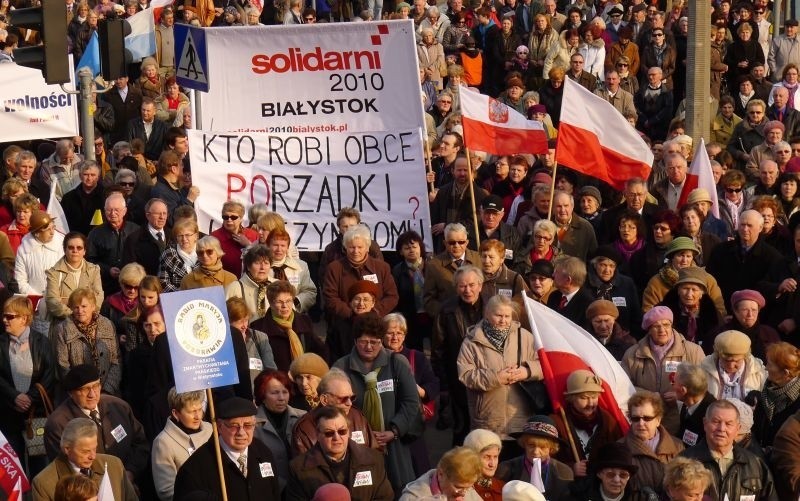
{"x":16,"y":493}
{"x":493,"y":127}
{"x":12,"y":476}
{"x":595,"y":139}
{"x":563,"y":348}
{"x":700,"y":176}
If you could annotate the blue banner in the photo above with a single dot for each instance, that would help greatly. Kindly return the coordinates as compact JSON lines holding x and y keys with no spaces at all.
{"x":199,"y":338}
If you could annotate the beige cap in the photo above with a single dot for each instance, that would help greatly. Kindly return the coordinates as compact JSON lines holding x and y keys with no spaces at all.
{"x":583,"y":381}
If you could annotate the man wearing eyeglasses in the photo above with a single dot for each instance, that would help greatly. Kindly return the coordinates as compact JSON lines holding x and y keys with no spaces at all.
{"x":119,"y":433}
{"x":168,"y":183}
{"x":337,"y":459}
{"x":247,"y":463}
{"x":737,"y":473}
{"x":749,"y":132}
{"x":440,"y":269}
{"x":335,"y":390}
{"x":145,"y":245}
{"x":104,"y":243}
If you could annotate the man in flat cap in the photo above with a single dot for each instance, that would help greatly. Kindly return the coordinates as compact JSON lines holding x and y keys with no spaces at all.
{"x":78,"y":455}
{"x":121,"y":434}
{"x":246,"y":462}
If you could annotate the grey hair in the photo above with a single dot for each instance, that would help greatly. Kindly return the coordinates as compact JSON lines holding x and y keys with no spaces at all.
{"x":119,"y":146}
{"x":454,"y":228}
{"x":546,"y":225}
{"x":209,"y":242}
{"x":256,"y":211}
{"x":64,"y":145}
{"x":468,"y":268}
{"x":433,"y":10}
{"x":24,"y":155}
{"x":124,"y":174}
{"x":358,"y":231}
{"x":89,"y":164}
{"x":396,"y":318}
{"x":693,"y":377}
{"x":780,"y":144}
{"x":334,"y":374}
{"x":531,"y":94}
{"x":77,"y":429}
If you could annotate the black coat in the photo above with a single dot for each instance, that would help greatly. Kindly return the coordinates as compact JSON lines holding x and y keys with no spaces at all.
{"x":747,"y":475}
{"x":654,"y":113}
{"x":611,"y":220}
{"x":765,"y":429}
{"x":124,"y":111}
{"x":558,"y":477}
{"x":199,"y":474}
{"x":693,"y":423}
{"x":141,"y":247}
{"x":791,"y":120}
{"x":79,"y":207}
{"x":707,"y":319}
{"x":154,"y":145}
{"x":11,"y":421}
{"x":575,"y":310}
{"x":279,"y":340}
{"x":104,"y":248}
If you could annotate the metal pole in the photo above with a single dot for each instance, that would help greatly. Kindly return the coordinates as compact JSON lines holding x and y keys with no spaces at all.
{"x":87,"y":119}
{"x":698,"y":91}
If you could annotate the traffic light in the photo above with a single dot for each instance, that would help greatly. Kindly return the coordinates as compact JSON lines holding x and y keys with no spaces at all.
{"x":114,"y":57}
{"x":50,"y":57}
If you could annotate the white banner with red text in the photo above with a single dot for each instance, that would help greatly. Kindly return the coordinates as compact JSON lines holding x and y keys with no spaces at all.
{"x":309,"y":178}
{"x":31,"y":109}
{"x":312,"y":78}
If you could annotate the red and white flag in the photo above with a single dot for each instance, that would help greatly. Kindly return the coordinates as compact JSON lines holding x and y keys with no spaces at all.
{"x":16,"y":493}
{"x":564,"y":347}
{"x":700,"y":176}
{"x":595,"y":139}
{"x":493,"y":127}
{"x":12,"y":477}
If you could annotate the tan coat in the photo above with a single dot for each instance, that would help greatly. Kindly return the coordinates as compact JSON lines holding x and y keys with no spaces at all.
{"x":754,"y":378}
{"x":500,"y":408}
{"x":657,"y":289}
{"x":198,"y":279}
{"x":640,"y":365}
{"x":559,"y":55}
{"x":60,"y":285}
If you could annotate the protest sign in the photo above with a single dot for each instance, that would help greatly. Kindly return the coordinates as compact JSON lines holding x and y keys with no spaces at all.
{"x":320,"y":78}
{"x":11,"y":472}
{"x":309,"y":178}
{"x":31,"y":109}
{"x":199,"y":338}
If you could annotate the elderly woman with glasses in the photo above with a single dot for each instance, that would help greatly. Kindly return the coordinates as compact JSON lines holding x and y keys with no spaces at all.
{"x":71,"y":272}
{"x":650,"y":362}
{"x":233,"y":237}
{"x":181,"y":258}
{"x":612,"y":469}
{"x":119,"y":304}
{"x":86,"y":337}
{"x":387,"y":393}
{"x":452,"y":479}
{"x":209,"y":271}
{"x":735,"y":200}
{"x":26,"y":361}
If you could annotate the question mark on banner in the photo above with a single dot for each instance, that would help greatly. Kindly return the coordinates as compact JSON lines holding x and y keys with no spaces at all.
{"x":414,"y":214}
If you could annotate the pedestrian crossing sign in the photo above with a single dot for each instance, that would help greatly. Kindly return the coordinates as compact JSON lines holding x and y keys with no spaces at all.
{"x":191,"y":54}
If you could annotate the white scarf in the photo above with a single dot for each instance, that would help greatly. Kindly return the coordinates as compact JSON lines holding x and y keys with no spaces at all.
{"x":189,"y":260}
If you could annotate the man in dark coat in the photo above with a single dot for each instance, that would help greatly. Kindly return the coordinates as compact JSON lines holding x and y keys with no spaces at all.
{"x":150,"y":130}
{"x":491,"y":226}
{"x":81,"y":203}
{"x":570,"y":298}
{"x":691,"y":390}
{"x":654,"y":104}
{"x":337,"y":459}
{"x":126,"y":102}
{"x":439,"y":270}
{"x":747,"y":262}
{"x":635,"y":193}
{"x":782,"y":112}
{"x":121,"y":434}
{"x":105,"y":243}
{"x":145,"y":245}
{"x":736,"y":472}
{"x":247,"y":463}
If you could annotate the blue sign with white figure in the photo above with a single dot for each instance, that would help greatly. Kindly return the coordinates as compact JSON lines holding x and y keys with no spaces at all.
{"x":199,"y":338}
{"x":191,"y":67}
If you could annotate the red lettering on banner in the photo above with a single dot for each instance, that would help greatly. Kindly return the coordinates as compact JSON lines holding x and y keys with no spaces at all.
{"x":296,"y":60}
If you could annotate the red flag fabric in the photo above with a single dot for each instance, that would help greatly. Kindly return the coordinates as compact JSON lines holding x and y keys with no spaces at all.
{"x":563,"y":348}
{"x":595,"y":139}
{"x":16,"y":493}
{"x":11,"y":473}
{"x":700,"y":175}
{"x":493,"y":127}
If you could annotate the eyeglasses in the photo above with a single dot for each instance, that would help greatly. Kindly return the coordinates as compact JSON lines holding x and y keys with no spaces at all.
{"x":205,"y":252}
{"x":342,"y":432}
{"x":661,"y":228}
{"x":542,"y":237}
{"x":456,"y":242}
{"x":755,"y":112}
{"x":343,"y":400}
{"x":658,"y":35}
{"x":84,"y":390}
{"x":230,"y":217}
{"x":733,"y":190}
{"x":130,"y":287}
{"x":248,"y":427}
{"x":646,"y":419}
{"x":368,"y":342}
{"x":185,"y":236}
{"x":10,"y":316}
{"x":622,"y":65}
{"x":126,"y":184}
{"x":622,"y":475}
{"x":284,"y":303}
{"x":75,"y":247}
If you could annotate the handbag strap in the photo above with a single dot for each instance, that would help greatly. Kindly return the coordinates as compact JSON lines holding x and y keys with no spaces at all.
{"x":46,"y":402}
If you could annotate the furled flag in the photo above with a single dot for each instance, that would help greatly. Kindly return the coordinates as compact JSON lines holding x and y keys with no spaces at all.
{"x":563,"y":348}
{"x":595,"y":139}
{"x":700,"y":176}
{"x":56,"y":211}
{"x":493,"y":127}
{"x":91,"y":56}
{"x":105,"y":493}
{"x":142,"y":40}
{"x":12,"y":476}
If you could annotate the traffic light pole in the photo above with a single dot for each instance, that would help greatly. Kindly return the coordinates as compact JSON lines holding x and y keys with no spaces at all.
{"x":85,"y":91}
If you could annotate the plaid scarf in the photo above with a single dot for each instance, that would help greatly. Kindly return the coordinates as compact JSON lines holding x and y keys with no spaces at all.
{"x":777,"y":398}
{"x":496,"y":337}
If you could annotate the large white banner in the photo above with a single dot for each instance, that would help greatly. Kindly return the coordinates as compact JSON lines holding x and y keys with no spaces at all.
{"x":31,"y":109}
{"x":309,"y":178}
{"x":337,"y":77}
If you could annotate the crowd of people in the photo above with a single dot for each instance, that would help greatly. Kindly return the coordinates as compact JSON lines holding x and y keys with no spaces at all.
{"x":345,"y":357}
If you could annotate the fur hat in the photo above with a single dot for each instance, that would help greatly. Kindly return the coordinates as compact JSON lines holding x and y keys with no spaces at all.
{"x":480,"y":439}
{"x":602,"y":307}
{"x":518,"y":490}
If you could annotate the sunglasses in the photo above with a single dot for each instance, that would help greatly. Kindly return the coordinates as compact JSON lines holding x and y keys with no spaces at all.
{"x":343,"y":400}
{"x":127,"y":185}
{"x":456,"y":242}
{"x":205,"y":252}
{"x":230,"y":217}
{"x":130,"y":287}
{"x":10,"y":316}
{"x":342,"y":432}
{"x":646,"y":419}
{"x":622,"y":65}
{"x":733,"y":190}
{"x":658,"y":34}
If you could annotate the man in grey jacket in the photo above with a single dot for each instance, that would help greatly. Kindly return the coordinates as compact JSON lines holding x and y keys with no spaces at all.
{"x":784,"y":49}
